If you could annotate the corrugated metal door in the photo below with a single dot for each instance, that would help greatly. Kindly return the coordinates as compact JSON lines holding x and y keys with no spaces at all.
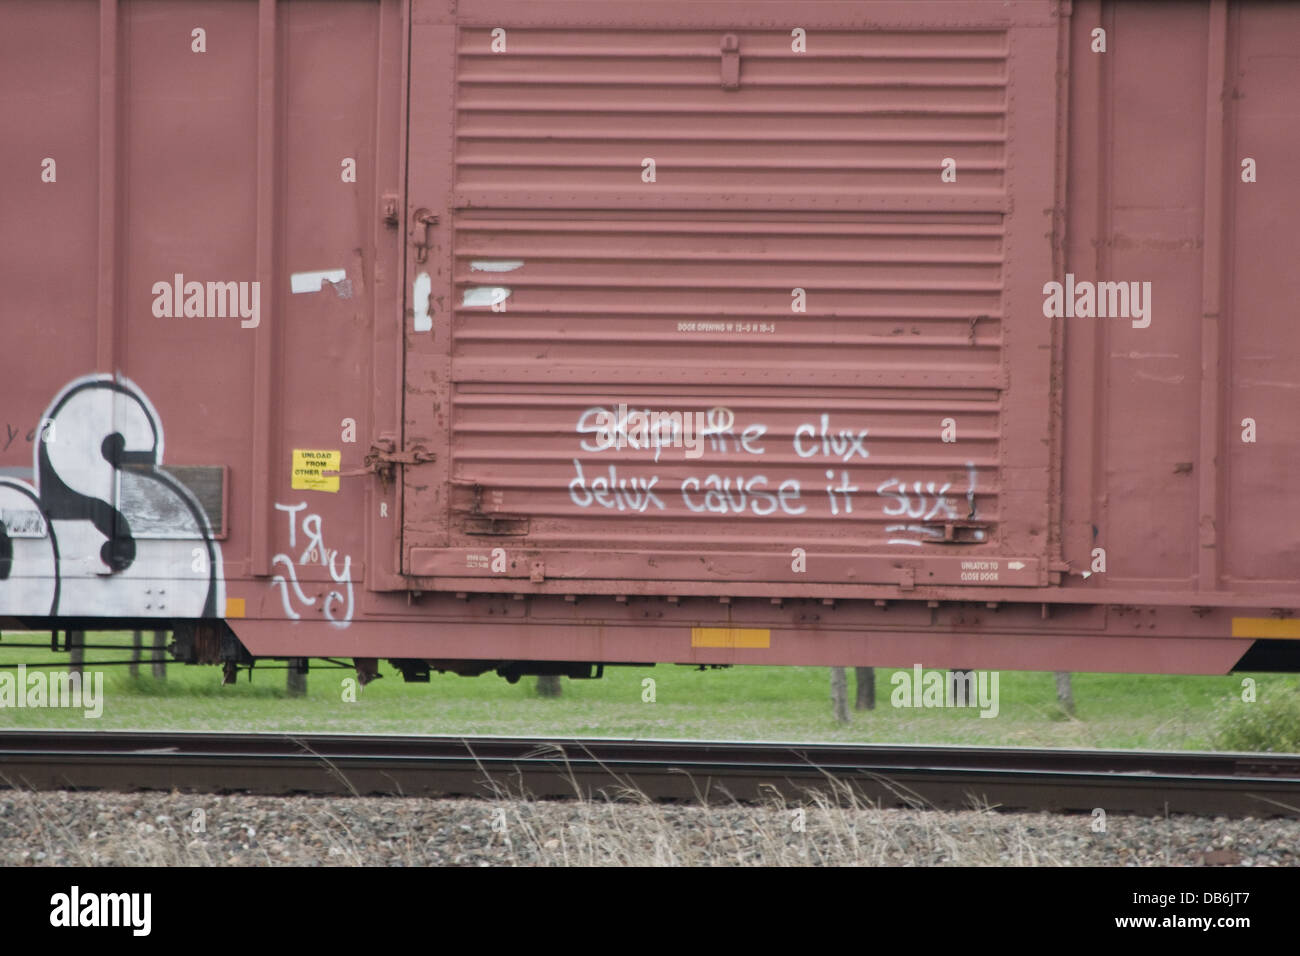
{"x":732,"y":292}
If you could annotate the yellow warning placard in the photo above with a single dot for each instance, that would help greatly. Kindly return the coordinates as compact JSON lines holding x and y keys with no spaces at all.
{"x":309,"y":469}
{"x":731,"y":637}
{"x":1286,"y":627}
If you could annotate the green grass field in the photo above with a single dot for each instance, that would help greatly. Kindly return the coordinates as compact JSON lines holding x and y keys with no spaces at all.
{"x":746,"y":703}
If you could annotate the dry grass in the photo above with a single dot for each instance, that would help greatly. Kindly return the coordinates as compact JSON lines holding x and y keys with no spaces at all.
{"x":625,"y":829}
{"x":835,"y":828}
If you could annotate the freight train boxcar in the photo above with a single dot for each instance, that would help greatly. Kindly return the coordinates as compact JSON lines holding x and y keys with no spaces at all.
{"x":533,"y":336}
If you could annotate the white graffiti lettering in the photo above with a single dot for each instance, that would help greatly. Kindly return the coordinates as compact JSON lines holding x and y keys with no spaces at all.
{"x":313,"y":552}
{"x":284,"y":593}
{"x":721,"y":497}
{"x":620,"y":427}
{"x":625,"y":494}
{"x":927,"y":501}
{"x":843,"y":444}
{"x":924,"y":502}
{"x":104,"y":529}
{"x":919,"y":502}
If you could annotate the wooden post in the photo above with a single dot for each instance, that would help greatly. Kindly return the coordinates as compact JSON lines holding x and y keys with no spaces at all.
{"x":962,"y":687}
{"x":865,"y":677}
{"x":77,"y":652}
{"x":1065,"y":692}
{"x":840,"y":695}
{"x":296,"y":677}
{"x":548,"y":685}
{"x":134,"y":666}
{"x":160,"y":655}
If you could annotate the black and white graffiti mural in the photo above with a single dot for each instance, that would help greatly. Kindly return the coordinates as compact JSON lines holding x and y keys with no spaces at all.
{"x":105,"y":532}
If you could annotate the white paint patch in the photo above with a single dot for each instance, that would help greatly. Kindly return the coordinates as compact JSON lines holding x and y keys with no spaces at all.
{"x":485,"y":295}
{"x":311,"y":281}
{"x":496,"y":265}
{"x":423,"y":285}
{"x":913,"y":529}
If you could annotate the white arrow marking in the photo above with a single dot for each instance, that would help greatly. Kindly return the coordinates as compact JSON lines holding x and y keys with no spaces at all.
{"x":1015,"y":565}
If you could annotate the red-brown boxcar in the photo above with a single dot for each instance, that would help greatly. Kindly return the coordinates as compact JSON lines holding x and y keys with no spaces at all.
{"x":490,"y":333}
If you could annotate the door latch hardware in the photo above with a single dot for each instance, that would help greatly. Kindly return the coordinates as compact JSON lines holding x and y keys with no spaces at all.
{"x":962,"y":532}
{"x":730,"y":51}
{"x":388,"y":207}
{"x":422,"y":224}
{"x":384,"y":458}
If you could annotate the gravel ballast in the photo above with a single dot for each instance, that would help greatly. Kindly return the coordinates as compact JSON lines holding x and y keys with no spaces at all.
{"x":116,"y":829}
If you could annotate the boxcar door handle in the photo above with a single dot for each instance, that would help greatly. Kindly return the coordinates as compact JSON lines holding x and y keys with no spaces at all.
{"x":422,"y":224}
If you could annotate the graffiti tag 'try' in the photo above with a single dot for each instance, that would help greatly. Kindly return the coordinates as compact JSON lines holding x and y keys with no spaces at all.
{"x":313,"y":552}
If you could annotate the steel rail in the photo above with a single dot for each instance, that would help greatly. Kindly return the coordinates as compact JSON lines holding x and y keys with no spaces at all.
{"x":946,"y":777}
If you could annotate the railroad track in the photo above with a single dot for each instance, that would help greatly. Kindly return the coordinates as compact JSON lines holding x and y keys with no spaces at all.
{"x":894,"y":775}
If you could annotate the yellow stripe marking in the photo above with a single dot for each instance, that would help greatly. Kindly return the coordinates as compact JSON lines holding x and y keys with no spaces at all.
{"x":234,"y":607}
{"x":1266,"y":627}
{"x":730,"y":637}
